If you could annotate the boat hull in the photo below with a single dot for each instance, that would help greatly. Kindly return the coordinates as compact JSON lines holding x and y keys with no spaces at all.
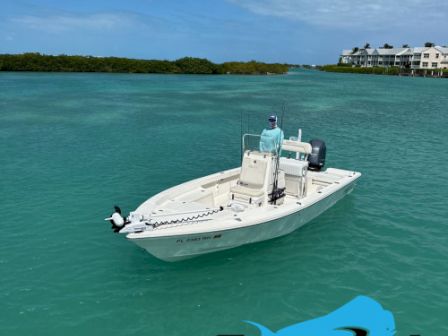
{"x":178,"y":247}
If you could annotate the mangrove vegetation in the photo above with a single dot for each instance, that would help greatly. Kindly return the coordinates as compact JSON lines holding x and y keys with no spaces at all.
{"x":187,"y":65}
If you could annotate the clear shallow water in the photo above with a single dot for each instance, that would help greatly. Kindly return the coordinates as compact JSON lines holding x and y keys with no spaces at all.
{"x":72,"y":145}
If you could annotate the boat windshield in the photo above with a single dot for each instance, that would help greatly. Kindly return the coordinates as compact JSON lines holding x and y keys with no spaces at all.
{"x":256,"y":142}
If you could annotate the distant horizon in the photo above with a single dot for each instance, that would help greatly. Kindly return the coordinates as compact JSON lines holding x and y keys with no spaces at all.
{"x":270,"y":31}
{"x":186,"y":56}
{"x":220,"y":62}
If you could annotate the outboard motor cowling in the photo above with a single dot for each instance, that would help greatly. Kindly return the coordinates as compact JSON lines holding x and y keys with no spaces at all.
{"x":317,"y":157}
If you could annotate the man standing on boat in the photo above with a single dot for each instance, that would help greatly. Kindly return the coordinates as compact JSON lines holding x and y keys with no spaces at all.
{"x":271,"y":138}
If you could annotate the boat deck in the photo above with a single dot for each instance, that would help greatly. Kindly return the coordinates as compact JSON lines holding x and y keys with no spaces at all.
{"x":182,"y":204}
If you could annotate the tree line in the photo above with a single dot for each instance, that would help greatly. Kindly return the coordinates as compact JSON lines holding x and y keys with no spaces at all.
{"x":186,"y":65}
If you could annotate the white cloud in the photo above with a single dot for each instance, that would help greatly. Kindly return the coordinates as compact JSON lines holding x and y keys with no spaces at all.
{"x":63,"y":23}
{"x":372,"y":14}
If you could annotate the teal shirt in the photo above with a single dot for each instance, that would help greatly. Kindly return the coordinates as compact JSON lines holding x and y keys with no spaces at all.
{"x":271,"y":140}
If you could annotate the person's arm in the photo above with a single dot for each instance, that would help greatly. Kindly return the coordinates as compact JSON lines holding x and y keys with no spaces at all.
{"x":262,"y":141}
{"x":280,"y":139}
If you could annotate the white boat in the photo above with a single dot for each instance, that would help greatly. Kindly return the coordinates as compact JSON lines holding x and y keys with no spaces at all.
{"x":267,"y":197}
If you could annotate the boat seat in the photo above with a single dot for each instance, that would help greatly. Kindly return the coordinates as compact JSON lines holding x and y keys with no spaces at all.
{"x":253,"y":175}
{"x":251,"y":191}
{"x":295,"y":179}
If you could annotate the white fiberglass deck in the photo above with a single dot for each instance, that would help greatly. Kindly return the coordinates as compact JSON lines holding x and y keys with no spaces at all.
{"x":213,"y":191}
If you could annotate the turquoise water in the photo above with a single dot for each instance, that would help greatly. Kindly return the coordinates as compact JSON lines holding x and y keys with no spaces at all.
{"x":73,"y":145}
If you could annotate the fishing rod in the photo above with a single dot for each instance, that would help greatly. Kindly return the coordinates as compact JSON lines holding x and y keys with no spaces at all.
{"x":241,"y":136}
{"x":277,"y":162}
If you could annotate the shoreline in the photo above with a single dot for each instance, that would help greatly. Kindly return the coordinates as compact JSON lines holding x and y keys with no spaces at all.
{"x":386,"y":71}
{"x":138,"y":73}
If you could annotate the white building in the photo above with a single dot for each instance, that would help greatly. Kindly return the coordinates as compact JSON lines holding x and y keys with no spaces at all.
{"x":429,"y":58}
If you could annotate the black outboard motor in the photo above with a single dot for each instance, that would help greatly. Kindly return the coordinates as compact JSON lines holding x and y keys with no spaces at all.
{"x":317,"y":157}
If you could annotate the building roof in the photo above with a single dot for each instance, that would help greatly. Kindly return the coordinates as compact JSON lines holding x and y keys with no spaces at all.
{"x":443,"y":50}
{"x":406,"y":51}
{"x":418,"y":50}
{"x":393,"y":51}
{"x":364,"y":52}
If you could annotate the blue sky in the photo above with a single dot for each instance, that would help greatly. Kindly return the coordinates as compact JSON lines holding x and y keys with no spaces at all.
{"x":292,"y":31}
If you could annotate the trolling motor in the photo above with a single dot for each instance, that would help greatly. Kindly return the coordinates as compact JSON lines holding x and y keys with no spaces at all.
{"x":117,"y":220}
{"x":136,"y":223}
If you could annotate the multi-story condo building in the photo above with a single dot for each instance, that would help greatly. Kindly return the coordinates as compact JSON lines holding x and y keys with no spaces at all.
{"x":428,"y":58}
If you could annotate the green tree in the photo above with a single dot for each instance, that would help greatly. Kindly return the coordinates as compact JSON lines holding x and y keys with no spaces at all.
{"x":190,"y":65}
{"x":187,"y":65}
